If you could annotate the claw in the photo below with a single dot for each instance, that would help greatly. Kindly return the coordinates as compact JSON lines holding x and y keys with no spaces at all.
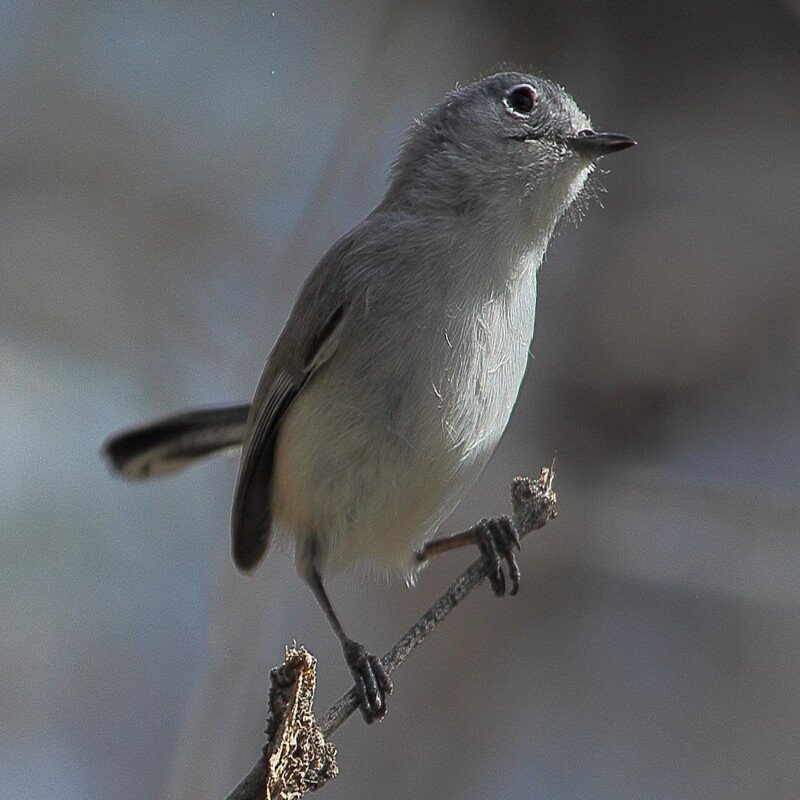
{"x":488,"y":547}
{"x":497,"y":539}
{"x":371,"y":679}
{"x":384,"y":681}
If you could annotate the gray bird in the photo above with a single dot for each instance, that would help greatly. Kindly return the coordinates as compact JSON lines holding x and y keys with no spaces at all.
{"x":395,"y":375}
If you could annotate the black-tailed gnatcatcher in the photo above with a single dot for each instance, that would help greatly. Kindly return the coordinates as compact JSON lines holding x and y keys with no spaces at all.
{"x":396,"y":373}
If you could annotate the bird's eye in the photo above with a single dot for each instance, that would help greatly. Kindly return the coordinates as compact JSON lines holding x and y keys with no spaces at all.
{"x":520,"y":100}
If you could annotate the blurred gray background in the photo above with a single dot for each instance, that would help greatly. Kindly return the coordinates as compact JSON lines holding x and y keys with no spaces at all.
{"x":170,"y":173}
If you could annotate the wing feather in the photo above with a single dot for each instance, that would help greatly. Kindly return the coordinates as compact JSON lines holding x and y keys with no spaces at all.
{"x":252,"y":513}
{"x":250,"y":523}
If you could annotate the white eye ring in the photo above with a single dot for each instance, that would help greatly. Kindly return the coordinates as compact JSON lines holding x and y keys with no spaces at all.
{"x":520,"y":100}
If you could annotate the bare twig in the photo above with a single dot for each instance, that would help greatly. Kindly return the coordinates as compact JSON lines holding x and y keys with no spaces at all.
{"x":534,"y":504}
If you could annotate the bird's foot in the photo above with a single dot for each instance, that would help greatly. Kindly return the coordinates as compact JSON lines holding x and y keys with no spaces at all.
{"x":372,"y":681}
{"x":497,"y":539}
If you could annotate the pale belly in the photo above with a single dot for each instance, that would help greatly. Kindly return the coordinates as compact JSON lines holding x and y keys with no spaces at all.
{"x":370,"y":462}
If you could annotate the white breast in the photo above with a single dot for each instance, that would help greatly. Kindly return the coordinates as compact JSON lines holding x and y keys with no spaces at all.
{"x":379,"y":448}
{"x":485,"y":356}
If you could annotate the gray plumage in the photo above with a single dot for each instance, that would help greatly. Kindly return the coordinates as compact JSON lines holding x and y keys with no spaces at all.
{"x":396,"y":372}
{"x":399,"y":411}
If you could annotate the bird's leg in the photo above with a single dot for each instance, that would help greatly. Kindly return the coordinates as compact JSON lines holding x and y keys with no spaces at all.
{"x":372,"y":681}
{"x":496,"y":539}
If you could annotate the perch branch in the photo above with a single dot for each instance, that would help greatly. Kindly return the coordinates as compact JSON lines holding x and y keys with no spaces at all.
{"x":534,"y":504}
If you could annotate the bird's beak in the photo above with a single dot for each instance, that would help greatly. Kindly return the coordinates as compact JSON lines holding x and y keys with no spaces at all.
{"x":593,"y":145}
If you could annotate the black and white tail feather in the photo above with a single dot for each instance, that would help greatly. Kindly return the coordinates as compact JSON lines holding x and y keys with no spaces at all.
{"x":173,"y":443}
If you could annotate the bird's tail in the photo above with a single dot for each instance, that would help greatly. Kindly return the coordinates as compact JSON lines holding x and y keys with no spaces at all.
{"x":170,"y":444}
